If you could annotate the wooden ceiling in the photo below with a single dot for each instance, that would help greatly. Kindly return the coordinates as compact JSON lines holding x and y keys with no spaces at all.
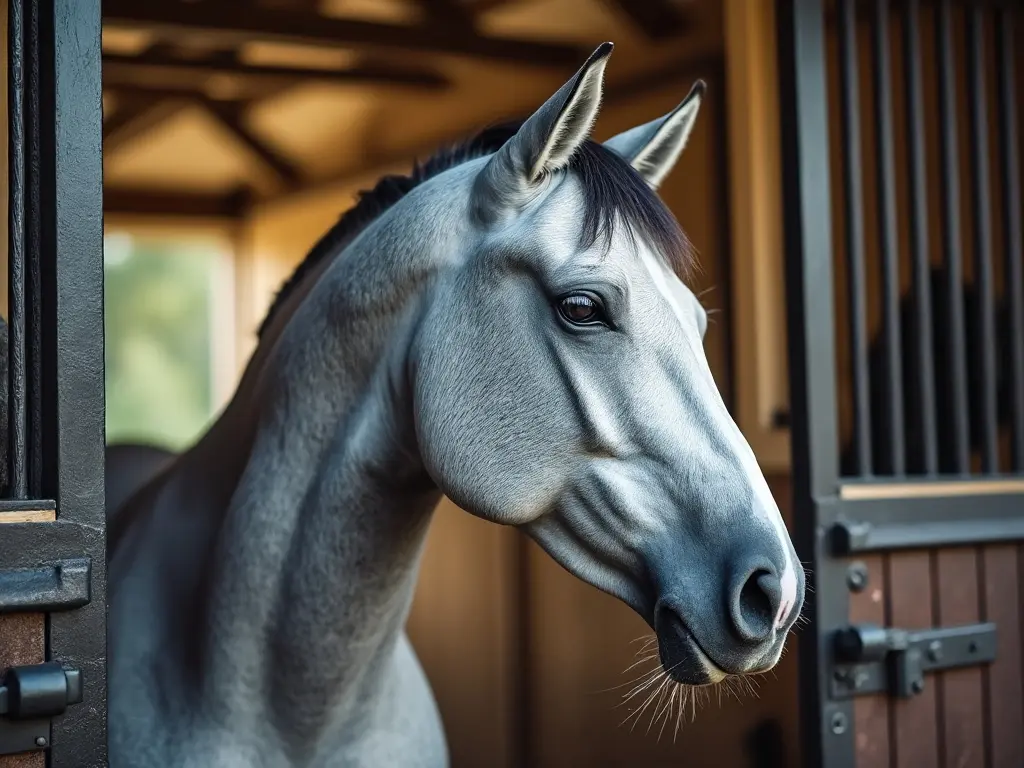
{"x":210,"y":105}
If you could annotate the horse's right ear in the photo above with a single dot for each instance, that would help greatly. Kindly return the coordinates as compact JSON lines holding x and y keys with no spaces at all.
{"x":548,"y":139}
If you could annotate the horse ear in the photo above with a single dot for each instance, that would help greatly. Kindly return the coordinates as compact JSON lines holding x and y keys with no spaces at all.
{"x":653,"y":148}
{"x":549,"y":138}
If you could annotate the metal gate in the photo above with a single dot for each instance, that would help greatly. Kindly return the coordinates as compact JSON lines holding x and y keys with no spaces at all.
{"x":52,"y":531}
{"x":905,"y":283}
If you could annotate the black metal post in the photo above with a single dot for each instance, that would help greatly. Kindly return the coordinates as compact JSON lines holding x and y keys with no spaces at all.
{"x":924,"y":378}
{"x":892,"y":404}
{"x":956,"y":410}
{"x":854,"y":206}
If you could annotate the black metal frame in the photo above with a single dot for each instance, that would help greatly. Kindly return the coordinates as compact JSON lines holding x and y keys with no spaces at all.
{"x":56,"y":325}
{"x":831,"y":525}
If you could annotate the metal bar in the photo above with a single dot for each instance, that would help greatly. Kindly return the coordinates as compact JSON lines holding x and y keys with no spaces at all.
{"x":925,"y":510}
{"x":72,"y":200}
{"x":33,"y":252}
{"x":956,"y":410}
{"x":17,"y":474}
{"x":826,"y":725}
{"x":855,"y":537}
{"x":1009,"y":142}
{"x":886,"y":200}
{"x":925,"y":367}
{"x":854,"y":207}
{"x":982,"y":206}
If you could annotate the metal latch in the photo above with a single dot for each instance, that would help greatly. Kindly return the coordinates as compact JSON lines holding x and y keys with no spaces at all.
{"x":39,"y":690}
{"x":29,"y":697}
{"x":873,"y":659}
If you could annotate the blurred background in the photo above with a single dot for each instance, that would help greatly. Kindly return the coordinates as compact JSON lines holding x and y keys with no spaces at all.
{"x":236,"y":133}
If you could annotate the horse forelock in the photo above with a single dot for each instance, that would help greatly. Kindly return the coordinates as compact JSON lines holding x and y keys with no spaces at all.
{"x":612,"y":191}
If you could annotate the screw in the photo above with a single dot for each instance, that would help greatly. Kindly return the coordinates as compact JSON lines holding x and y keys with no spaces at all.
{"x":40,"y":741}
{"x":838,"y":723}
{"x":857,"y":577}
{"x":935,"y":650}
{"x":972,"y":647}
{"x":917,"y":686}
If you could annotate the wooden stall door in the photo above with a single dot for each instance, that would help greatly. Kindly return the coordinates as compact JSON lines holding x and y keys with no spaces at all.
{"x":905,"y":283}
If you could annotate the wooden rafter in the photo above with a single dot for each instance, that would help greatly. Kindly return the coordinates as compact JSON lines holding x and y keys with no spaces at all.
{"x":135,"y":115}
{"x":230,"y":116}
{"x":154,"y":202}
{"x":657,"y":19}
{"x":229,"y":27}
{"x":121,"y":68}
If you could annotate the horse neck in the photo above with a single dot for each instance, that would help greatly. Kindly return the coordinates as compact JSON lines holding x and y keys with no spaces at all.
{"x":314,"y":563}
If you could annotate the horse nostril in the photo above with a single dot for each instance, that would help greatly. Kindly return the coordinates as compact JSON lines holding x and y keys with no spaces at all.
{"x":755,"y":604}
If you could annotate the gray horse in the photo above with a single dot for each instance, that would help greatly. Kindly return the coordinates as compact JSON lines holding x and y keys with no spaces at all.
{"x":506,"y":326}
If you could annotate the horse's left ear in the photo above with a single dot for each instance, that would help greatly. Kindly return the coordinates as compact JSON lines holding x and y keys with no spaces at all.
{"x":653,"y":148}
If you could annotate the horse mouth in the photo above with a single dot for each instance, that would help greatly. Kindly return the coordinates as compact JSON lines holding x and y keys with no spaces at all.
{"x":685,"y":660}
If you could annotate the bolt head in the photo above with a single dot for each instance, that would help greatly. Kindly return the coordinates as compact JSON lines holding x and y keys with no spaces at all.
{"x":917,"y":686}
{"x":838,"y":723}
{"x":40,"y":741}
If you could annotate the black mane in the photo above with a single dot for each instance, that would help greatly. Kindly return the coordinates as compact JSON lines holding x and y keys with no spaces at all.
{"x":612,"y":190}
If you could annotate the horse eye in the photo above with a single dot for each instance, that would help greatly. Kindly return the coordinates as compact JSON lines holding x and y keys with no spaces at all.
{"x":580,"y":309}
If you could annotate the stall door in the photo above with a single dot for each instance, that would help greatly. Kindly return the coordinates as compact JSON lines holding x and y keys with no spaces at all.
{"x":905,"y":301}
{"x":52,"y":533}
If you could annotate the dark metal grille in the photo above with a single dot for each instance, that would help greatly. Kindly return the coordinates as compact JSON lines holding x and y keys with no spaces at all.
{"x":925,"y":168}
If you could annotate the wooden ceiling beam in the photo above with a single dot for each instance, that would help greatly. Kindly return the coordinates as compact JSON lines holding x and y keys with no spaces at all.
{"x":230,"y":116}
{"x":125,"y":68}
{"x":134,"y":115}
{"x":133,"y":201}
{"x":657,"y":19}
{"x":229,"y":27}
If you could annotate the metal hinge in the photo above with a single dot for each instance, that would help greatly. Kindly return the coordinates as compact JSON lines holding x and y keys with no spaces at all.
{"x":873,"y":659}
{"x":30,"y":696}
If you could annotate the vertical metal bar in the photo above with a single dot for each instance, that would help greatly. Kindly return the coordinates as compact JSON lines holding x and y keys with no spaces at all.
{"x":72,"y":250}
{"x":33,"y":245}
{"x":1009,"y":141}
{"x":854,"y":208}
{"x":982,"y":206}
{"x":886,"y":165}
{"x":951,"y":243}
{"x":16,"y":251}
{"x":812,"y":371}
{"x":925,"y":367}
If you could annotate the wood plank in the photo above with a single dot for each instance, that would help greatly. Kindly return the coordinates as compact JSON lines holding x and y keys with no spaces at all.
{"x":960,"y":691}
{"x":22,"y":641}
{"x":28,"y":516}
{"x":929,"y":490}
{"x":1004,"y":682}
{"x":914,"y":721}
{"x":871,"y":713}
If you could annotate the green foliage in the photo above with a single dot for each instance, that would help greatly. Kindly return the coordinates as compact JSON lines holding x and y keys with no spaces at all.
{"x":158,"y":317}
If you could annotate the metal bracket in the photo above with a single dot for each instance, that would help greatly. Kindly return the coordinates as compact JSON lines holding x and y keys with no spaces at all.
{"x":872,"y":659}
{"x":849,"y":537}
{"x":30,"y":697}
{"x":60,"y":586}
